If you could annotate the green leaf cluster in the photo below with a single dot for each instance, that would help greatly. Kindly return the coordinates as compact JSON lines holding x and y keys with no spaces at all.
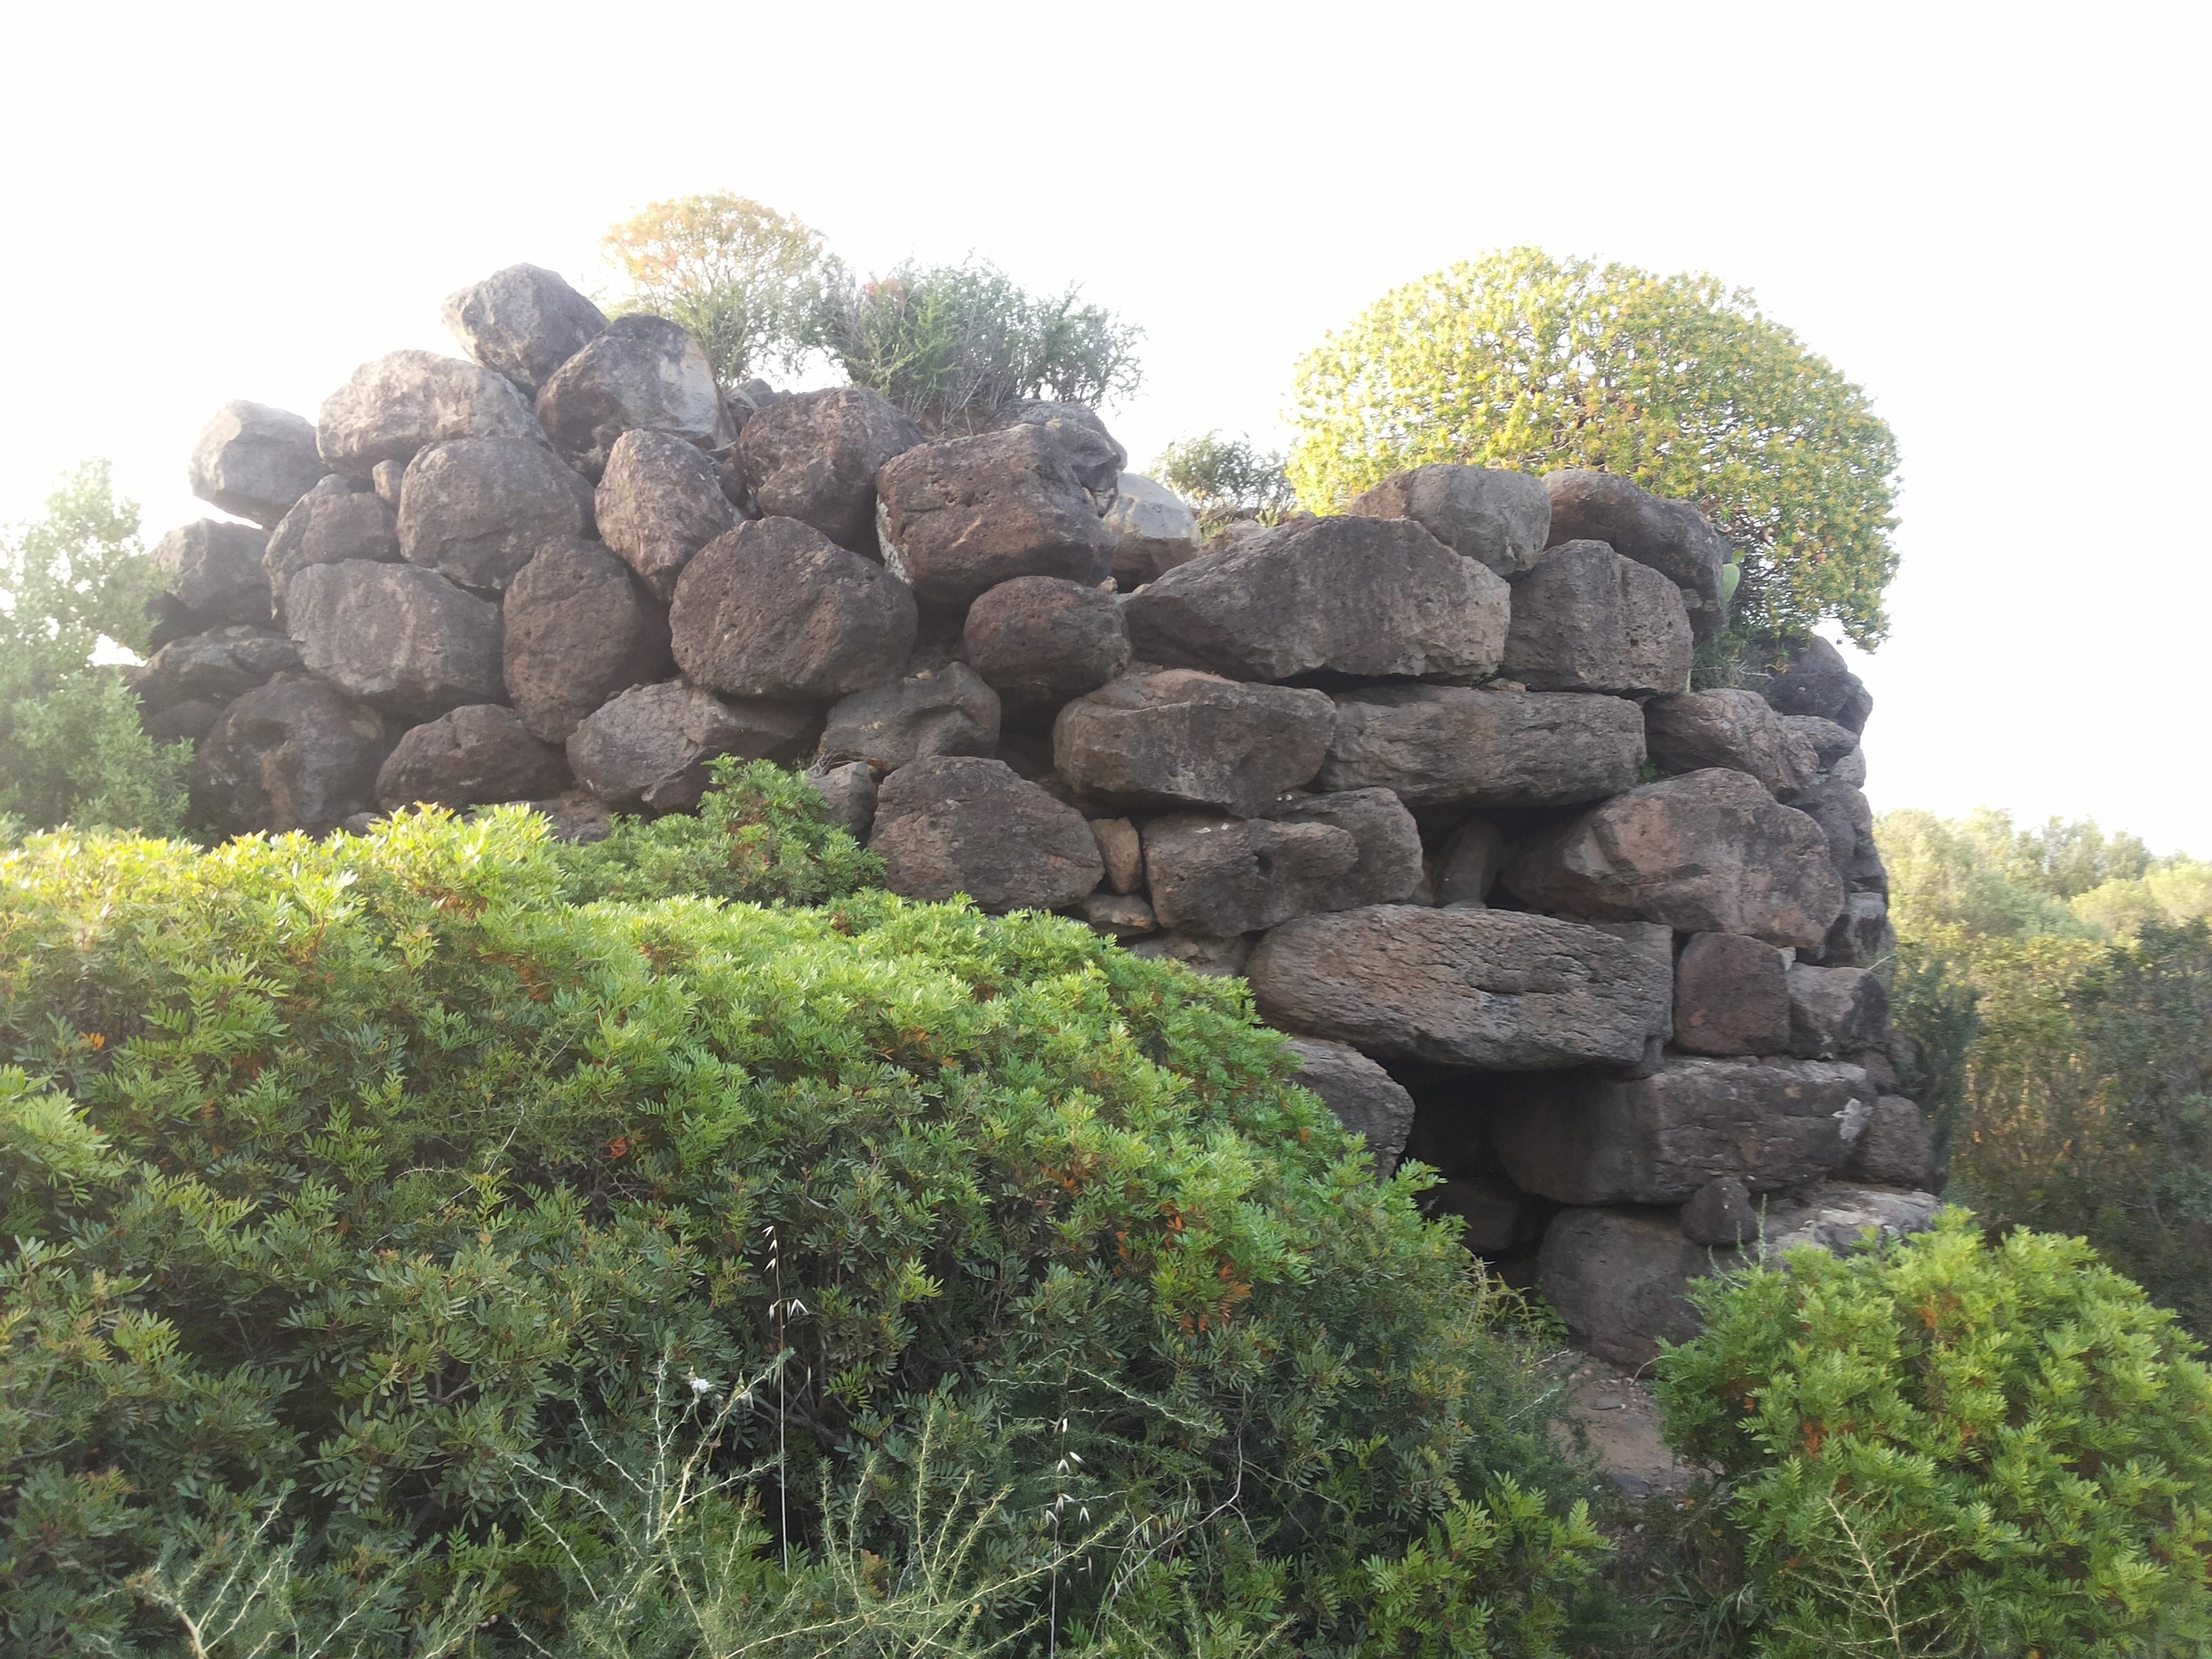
{"x":1951,"y":1447}
{"x":474,"y":1249}
{"x":1225,"y":478}
{"x":1523,"y":362}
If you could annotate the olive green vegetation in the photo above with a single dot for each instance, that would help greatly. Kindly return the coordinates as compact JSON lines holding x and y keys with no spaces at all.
{"x":2082,"y":968}
{"x":72,"y":747}
{"x":1523,"y":361}
{"x":1224,"y":478}
{"x":406,"y":1257}
{"x":1948,"y":1446}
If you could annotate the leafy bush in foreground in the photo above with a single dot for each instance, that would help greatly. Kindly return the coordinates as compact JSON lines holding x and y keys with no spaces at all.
{"x":1949,"y":1447}
{"x":395,"y":1241}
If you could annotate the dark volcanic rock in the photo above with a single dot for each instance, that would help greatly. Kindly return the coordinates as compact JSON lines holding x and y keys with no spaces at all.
{"x":473,"y":755}
{"x":849,"y":792}
{"x":1366,"y":1099}
{"x":294,"y":754}
{"x":1586,"y":619}
{"x":962,"y":824}
{"x":1369,"y":597}
{"x":660,"y":501}
{"x":404,"y":639}
{"x":212,"y":667}
{"x":214,"y":571}
{"x":1835,"y":1011}
{"x":1095,"y":453}
{"x":1039,"y":641}
{"x":1731,"y":996}
{"x":1898,"y":1146}
{"x":814,"y":458}
{"x":1175,"y":737}
{"x":1810,"y":677}
{"x":1738,"y":729}
{"x":639,"y":371}
{"x":959,"y":517}
{"x":406,"y":401}
{"x":336,"y":520}
{"x":523,"y":321}
{"x":477,"y":510}
{"x":1221,"y":875}
{"x":650,"y":746}
{"x":1437,"y":745}
{"x":776,"y":608}
{"x":1499,"y":520}
{"x":1620,"y":1279}
{"x":1389,"y":868}
{"x":577,"y":630}
{"x":255,"y":461}
{"x":945,"y":711}
{"x":1671,"y":536}
{"x":1721,"y":1213}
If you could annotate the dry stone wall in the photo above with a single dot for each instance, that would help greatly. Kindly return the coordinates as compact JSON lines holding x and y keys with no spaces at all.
{"x":1598,"y":947}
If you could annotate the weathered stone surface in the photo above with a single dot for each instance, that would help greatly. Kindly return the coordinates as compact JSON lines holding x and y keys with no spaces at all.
{"x":1041,"y":641}
{"x":1846,"y":820}
{"x":1706,"y":852}
{"x":639,"y":371}
{"x":1202,"y":953}
{"x":850,"y":792}
{"x":1830,"y":743}
{"x":1620,"y":1279}
{"x":1584,"y":1138}
{"x":1174,"y":736}
{"x":575,"y":816}
{"x":1835,"y":1011}
{"x":524,"y":322}
{"x":1154,"y":531}
{"x":1120,"y":915}
{"x":1499,"y":520}
{"x":1366,"y":1099}
{"x":1095,"y":453}
{"x":186,"y":721}
{"x":475,"y":754}
{"x":960,"y":517}
{"x":406,"y":401}
{"x":294,"y":754}
{"x":776,"y":608}
{"x":1389,"y":868}
{"x":337,"y":520}
{"x":1898,"y":1146}
{"x":650,"y":746}
{"x":385,"y":478}
{"x":1862,"y":936}
{"x":1809,"y":676}
{"x":1221,"y":875}
{"x":1465,"y":867}
{"x":1123,"y":852}
{"x":814,"y":458}
{"x":1671,"y":536}
{"x":403,"y":638}
{"x":214,"y":571}
{"x":660,"y":501}
{"x":962,"y":824}
{"x":1731,"y":996}
{"x":212,"y":667}
{"x":1586,"y":619}
{"x":477,"y":510}
{"x":255,"y":461}
{"x":1695,"y":730}
{"x":1368,"y":597}
{"x":1721,"y":1213}
{"x":944,"y":711}
{"x":1838,"y":1218}
{"x":1496,"y":1215}
{"x":1438,"y":745}
{"x":577,"y":630}
{"x":1479,"y":989}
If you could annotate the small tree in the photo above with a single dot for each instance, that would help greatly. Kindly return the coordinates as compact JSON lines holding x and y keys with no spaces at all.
{"x":743,"y":278}
{"x":1521,"y":360}
{"x":956,"y":346}
{"x":1226,"y":478}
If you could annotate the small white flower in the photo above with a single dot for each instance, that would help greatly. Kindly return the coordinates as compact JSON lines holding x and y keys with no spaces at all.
{"x":701,"y":1385}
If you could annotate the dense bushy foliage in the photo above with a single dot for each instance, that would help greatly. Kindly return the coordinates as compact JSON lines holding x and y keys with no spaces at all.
{"x":1225,"y":478}
{"x":393,"y":1241}
{"x":72,"y":747}
{"x":1953,"y":1448}
{"x":1520,"y":360}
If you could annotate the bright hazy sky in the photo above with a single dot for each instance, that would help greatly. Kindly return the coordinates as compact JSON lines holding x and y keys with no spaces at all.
{"x":1993,"y":217}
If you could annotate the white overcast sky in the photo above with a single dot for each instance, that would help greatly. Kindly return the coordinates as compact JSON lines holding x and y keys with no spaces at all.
{"x":1993,"y":217}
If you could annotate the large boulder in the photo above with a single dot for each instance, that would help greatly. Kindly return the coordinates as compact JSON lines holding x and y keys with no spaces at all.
{"x":776,"y":608}
{"x":404,"y":639}
{"x":1706,"y":852}
{"x":1586,"y":619}
{"x":1835,"y":1011}
{"x":1389,"y":868}
{"x":1438,"y":745}
{"x":1469,"y":989}
{"x":215,"y":571}
{"x":1500,"y":519}
{"x":1620,"y":1279}
{"x":962,"y":516}
{"x":651,"y":745}
{"x":954,"y":825}
{"x":1808,"y":676}
{"x":1123,"y":850}
{"x":848,"y":793}
{"x":1584,"y":1138}
{"x":1862,"y":937}
{"x":294,"y":754}
{"x":1897,"y":1148}
{"x":1154,"y":531}
{"x":1095,"y":454}
{"x":212,"y":667}
{"x":406,"y":401}
{"x":1176,"y":737}
{"x":477,"y":510}
{"x":577,"y":629}
{"x":524,"y":322}
{"x":1367,"y":596}
{"x":943,"y":711}
{"x":1695,"y":730}
{"x":475,"y":755}
{"x":254,"y":461}
{"x":639,"y":371}
{"x":814,"y":458}
{"x":1367,"y":1100}
{"x":1039,"y":641}
{"x":1731,"y":996}
{"x":660,"y":501}
{"x":1671,"y":536}
{"x":1216,"y":875}
{"x":338,"y":520}
{"x":1833,"y":1217}
{"x":1846,"y":820}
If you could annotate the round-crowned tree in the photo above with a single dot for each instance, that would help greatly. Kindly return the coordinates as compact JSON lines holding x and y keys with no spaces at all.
{"x":1521,"y":360}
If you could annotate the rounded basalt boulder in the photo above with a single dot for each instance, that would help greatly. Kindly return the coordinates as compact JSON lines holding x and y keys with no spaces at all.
{"x":1672,"y":537}
{"x":212,"y":667}
{"x":639,"y":371}
{"x":1586,"y":619}
{"x":577,"y":628}
{"x":651,"y":746}
{"x":524,"y":322}
{"x":660,"y":501}
{"x":477,"y":510}
{"x":255,"y":461}
{"x":297,"y":753}
{"x":338,"y":520}
{"x":403,"y":638}
{"x":963,"y":825}
{"x":1039,"y":641}
{"x":941,"y":711}
{"x":1178,"y":738}
{"x":394,"y":405}
{"x":1500,"y":519}
{"x":214,"y":573}
{"x":814,"y":457}
{"x":472,"y":756}
{"x":1693,"y":730}
{"x":959,"y":517}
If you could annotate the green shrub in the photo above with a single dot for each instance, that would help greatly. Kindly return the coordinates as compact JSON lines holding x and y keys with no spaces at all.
{"x":391,"y":1235}
{"x":1226,"y":478}
{"x":1951,"y":1447}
